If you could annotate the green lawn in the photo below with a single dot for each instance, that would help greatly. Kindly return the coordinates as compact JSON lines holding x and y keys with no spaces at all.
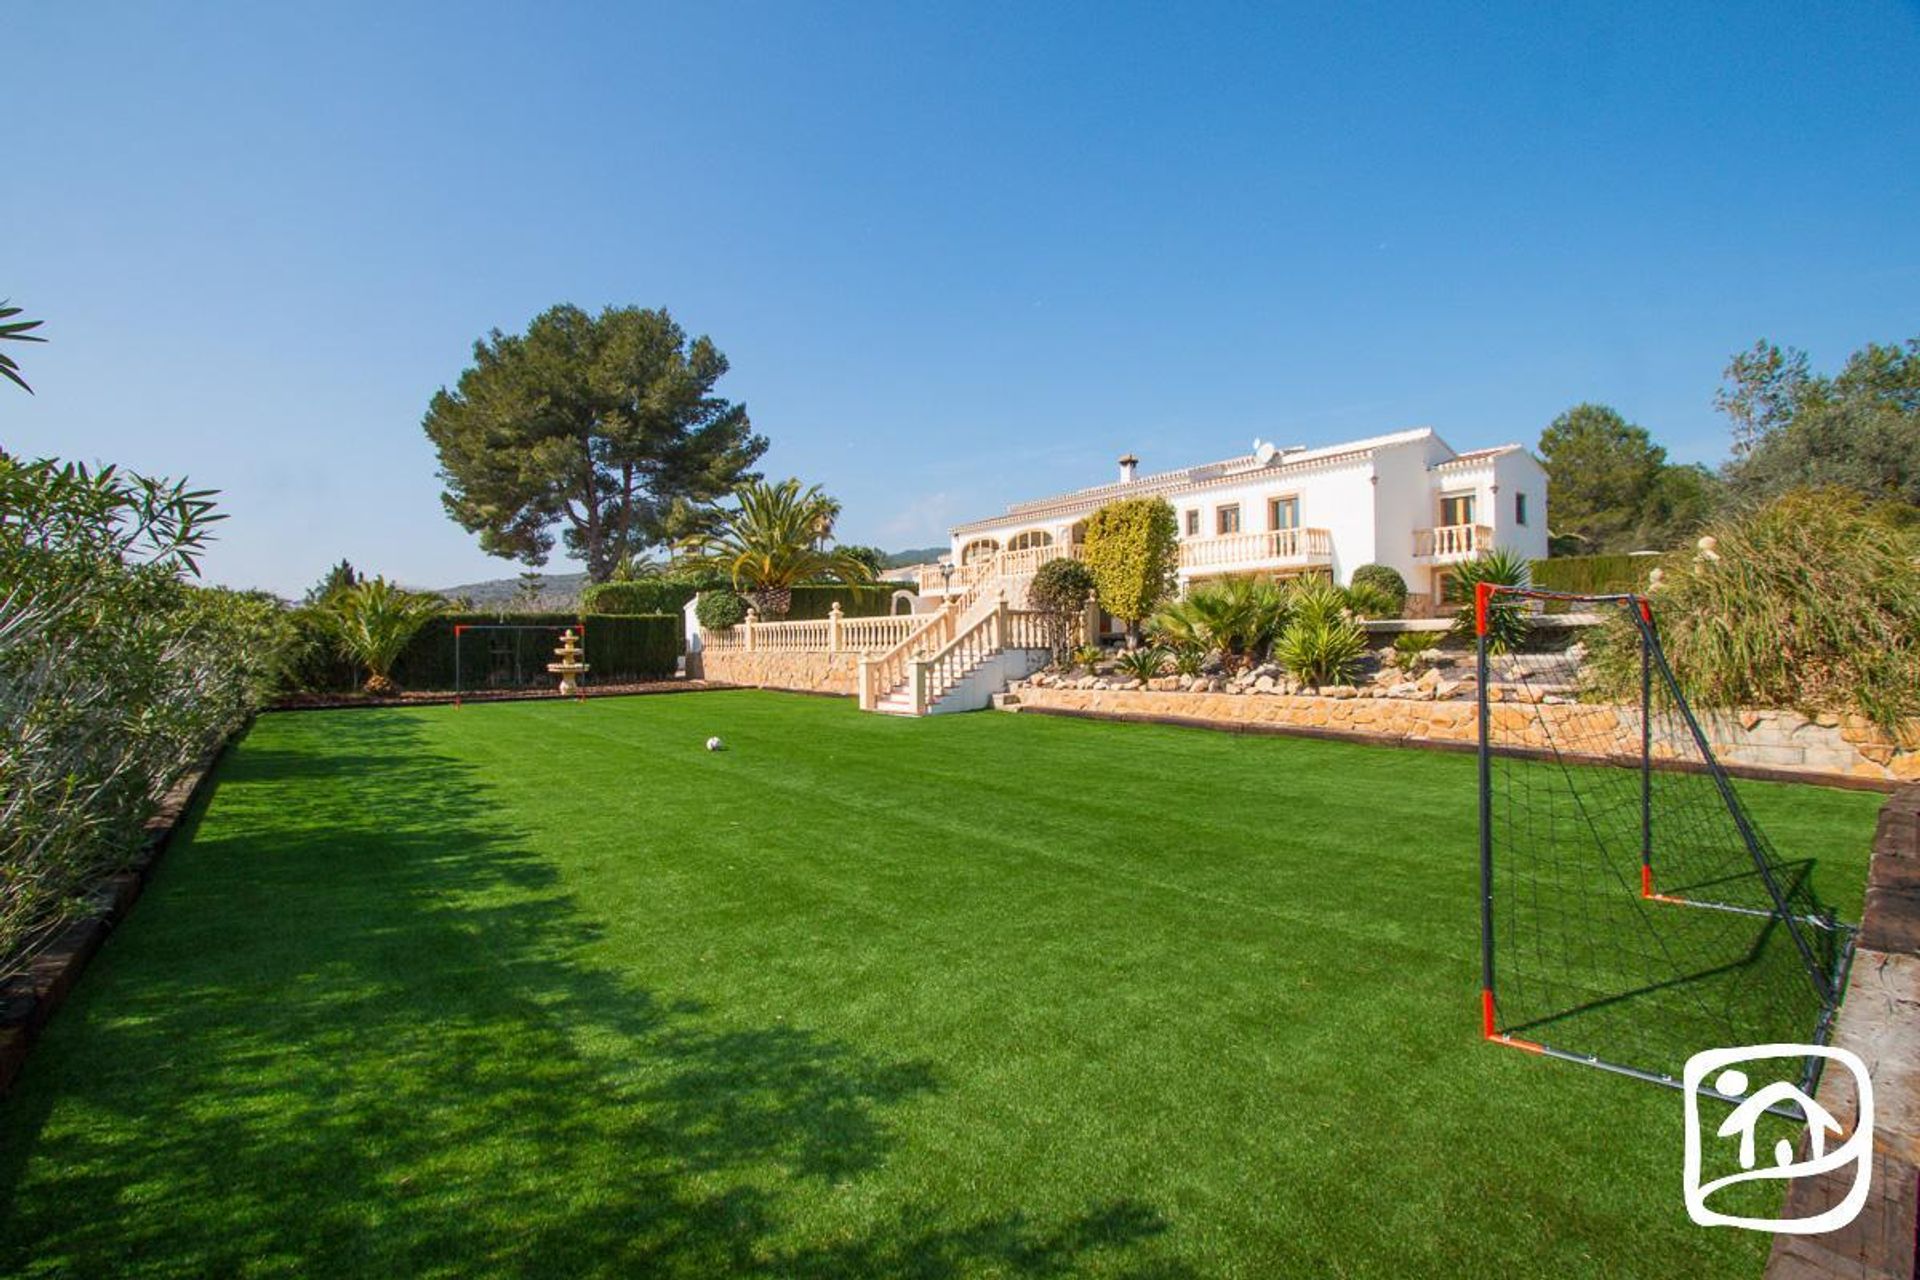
{"x":547,"y":989}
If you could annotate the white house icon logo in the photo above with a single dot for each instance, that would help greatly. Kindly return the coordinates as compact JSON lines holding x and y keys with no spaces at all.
{"x":1717,"y":1073}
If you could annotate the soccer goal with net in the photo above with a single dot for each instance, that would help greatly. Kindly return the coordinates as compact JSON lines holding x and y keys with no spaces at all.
{"x":504,"y":656}
{"x":1632,"y":913}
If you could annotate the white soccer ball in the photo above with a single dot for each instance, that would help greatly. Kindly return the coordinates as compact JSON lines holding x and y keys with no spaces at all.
{"x":714,"y":744}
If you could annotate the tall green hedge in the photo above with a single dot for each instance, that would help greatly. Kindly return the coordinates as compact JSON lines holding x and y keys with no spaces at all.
{"x":816,"y":601}
{"x":618,"y":647}
{"x":1594,"y":575}
{"x":645,"y":595}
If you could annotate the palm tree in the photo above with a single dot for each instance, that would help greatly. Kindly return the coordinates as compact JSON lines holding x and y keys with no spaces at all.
{"x":373,"y":621}
{"x":773,"y":539}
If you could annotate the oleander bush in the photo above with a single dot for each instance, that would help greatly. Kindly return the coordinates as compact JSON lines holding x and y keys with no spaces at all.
{"x":118,"y":674}
{"x":1812,"y":602}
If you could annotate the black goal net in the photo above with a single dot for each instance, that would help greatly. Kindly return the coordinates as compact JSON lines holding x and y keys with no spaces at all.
{"x":1632,"y":911}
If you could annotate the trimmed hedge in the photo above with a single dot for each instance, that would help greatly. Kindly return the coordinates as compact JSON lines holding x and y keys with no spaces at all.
{"x":618,"y":647}
{"x":1594,"y":575}
{"x":1385,"y":582}
{"x":816,"y":601}
{"x":719,"y":609}
{"x":644,"y":595}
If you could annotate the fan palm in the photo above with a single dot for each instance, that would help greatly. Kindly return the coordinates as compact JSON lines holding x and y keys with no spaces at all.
{"x":1237,"y":616}
{"x":373,"y":621}
{"x":775,"y":537}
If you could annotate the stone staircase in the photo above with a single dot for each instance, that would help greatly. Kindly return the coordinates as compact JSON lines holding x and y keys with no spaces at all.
{"x":972,"y":648}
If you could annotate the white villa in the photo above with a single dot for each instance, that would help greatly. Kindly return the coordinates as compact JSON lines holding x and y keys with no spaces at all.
{"x":1406,"y":500}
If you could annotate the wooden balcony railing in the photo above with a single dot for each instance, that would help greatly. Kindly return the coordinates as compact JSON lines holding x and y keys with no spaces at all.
{"x":1453,"y":541}
{"x":1273,"y":547}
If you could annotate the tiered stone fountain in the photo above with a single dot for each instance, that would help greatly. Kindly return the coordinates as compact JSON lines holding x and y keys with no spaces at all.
{"x":569,"y":668}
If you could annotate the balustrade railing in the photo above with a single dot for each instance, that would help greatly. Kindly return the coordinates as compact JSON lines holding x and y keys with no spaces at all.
{"x":998,"y":629}
{"x":1460,"y":540}
{"x":832,"y":634}
{"x":968,"y":628}
{"x":969,"y":578}
{"x":881,"y":673}
{"x":1268,"y":546}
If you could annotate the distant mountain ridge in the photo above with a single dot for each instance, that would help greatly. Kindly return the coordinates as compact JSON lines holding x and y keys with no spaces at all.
{"x":560,"y":592}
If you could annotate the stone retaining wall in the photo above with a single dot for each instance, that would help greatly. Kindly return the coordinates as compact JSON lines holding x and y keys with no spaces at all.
{"x":800,"y":671}
{"x":1834,"y":746}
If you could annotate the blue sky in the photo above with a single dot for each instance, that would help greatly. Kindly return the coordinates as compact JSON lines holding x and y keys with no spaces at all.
{"x":958,"y":254}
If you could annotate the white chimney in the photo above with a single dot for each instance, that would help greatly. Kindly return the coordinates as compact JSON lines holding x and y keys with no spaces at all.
{"x":1127,"y":465}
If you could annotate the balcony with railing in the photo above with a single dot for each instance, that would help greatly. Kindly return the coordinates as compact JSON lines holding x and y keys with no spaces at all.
{"x":1250,"y":552}
{"x":1452,"y":542}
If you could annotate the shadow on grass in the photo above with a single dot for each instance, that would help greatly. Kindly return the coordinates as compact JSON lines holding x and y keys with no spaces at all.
{"x":352,"y":1031}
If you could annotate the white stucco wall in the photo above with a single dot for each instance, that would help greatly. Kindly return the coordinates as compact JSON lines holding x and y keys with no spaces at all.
{"x":1403,"y":501}
{"x":1520,"y":472}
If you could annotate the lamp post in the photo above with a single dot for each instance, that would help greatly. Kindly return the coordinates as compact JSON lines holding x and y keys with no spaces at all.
{"x":946,"y":579}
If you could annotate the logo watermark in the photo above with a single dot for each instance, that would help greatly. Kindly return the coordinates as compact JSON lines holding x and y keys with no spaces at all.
{"x":1830,"y":1149}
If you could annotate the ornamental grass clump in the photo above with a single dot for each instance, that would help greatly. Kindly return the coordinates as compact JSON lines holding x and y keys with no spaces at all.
{"x":1810,"y":602}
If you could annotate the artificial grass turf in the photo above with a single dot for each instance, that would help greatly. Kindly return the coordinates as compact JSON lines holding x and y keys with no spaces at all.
{"x":545,"y":988}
